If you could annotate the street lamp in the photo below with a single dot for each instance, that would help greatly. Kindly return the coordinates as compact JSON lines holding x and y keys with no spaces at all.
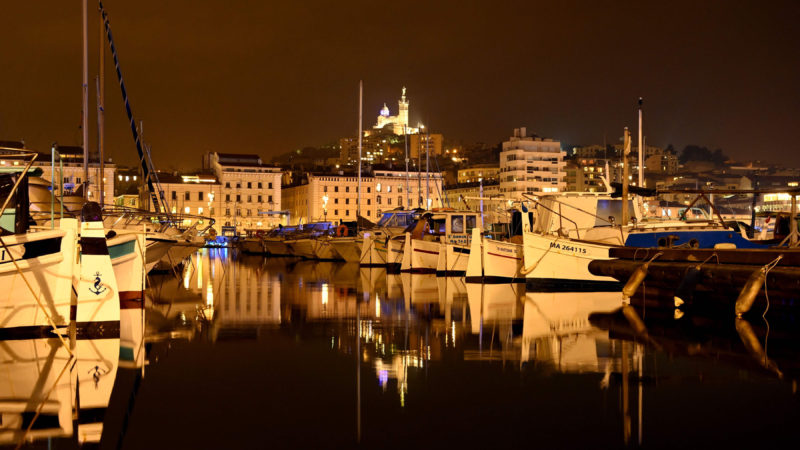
{"x":325,"y":207}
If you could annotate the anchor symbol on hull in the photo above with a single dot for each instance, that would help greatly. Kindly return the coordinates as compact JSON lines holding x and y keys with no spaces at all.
{"x":98,"y":287}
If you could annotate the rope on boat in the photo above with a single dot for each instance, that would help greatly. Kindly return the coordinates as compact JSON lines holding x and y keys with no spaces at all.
{"x":142,"y":157}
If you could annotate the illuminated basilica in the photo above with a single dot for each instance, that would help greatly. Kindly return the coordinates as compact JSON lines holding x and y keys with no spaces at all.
{"x":399,"y":123}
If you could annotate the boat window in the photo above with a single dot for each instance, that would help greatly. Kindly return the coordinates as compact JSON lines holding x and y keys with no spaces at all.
{"x":456,"y":224}
{"x":606,"y":208}
{"x":385,"y":220}
{"x":439,"y":226}
{"x":472,"y":222}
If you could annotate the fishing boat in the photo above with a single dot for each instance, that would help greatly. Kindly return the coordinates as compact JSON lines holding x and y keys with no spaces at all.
{"x":497,"y":257}
{"x":253,"y":245}
{"x":436,"y":231}
{"x":275,"y":241}
{"x":379,"y":244}
{"x":36,"y":265}
{"x":347,"y":242}
{"x":303,"y":242}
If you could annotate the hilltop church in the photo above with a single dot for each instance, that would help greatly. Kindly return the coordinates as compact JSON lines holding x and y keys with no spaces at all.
{"x":399,"y":123}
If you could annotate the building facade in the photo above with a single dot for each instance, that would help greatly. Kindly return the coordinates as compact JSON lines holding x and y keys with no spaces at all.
{"x":249,"y":193}
{"x":196,"y":195}
{"x":530,"y":164}
{"x":421,"y":144}
{"x":334,"y":198}
{"x":478,"y":172}
{"x":69,"y":171}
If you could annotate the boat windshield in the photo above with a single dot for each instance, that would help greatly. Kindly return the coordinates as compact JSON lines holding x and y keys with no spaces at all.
{"x":397,"y":219}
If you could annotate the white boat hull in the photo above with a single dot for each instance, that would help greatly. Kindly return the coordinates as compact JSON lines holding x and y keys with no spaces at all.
{"x":276,"y":247}
{"x":48,"y":277}
{"x":324,"y":250}
{"x":348,"y":248}
{"x":373,"y":250}
{"x":420,"y":256}
{"x":502,"y":262}
{"x":452,"y":260}
{"x":302,"y":247}
{"x":562,"y":264}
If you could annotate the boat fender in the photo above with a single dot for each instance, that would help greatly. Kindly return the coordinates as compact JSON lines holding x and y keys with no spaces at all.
{"x":342,"y":231}
{"x":634,"y":320}
{"x":753,"y":345}
{"x":753,"y":286}
{"x":637,"y":277}
{"x":750,"y":291}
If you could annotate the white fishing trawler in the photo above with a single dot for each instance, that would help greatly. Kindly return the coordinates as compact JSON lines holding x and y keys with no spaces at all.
{"x":447,"y":231}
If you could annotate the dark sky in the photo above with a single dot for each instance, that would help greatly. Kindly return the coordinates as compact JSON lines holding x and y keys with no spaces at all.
{"x":267,"y":76}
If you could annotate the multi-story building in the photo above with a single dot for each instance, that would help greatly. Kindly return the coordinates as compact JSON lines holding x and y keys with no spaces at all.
{"x":374,"y":149}
{"x":192,"y":194}
{"x":249,"y":193}
{"x":334,"y":197}
{"x":530,"y":164}
{"x":478,"y":172}
{"x":421,"y":144}
{"x":585,"y":175}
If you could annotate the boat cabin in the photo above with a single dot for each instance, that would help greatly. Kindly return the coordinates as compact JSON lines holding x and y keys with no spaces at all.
{"x":455,"y":226}
{"x":398,"y":218}
{"x":572,"y":213}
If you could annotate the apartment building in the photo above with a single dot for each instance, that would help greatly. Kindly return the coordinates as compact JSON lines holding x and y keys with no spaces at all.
{"x":531,"y":164}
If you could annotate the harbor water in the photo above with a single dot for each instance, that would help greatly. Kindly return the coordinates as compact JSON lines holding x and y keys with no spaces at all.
{"x":253,"y":352}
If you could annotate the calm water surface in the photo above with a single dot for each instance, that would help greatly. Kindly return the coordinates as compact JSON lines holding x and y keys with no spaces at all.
{"x":252,"y":352}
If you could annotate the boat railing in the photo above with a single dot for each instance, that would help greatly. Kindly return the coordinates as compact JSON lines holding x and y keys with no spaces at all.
{"x":21,"y":153}
{"x":124,"y":216}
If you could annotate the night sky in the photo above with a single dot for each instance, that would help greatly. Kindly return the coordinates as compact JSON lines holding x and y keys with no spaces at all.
{"x":267,"y":77}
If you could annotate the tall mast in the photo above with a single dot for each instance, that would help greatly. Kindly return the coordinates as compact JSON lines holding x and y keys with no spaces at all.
{"x":626,"y":150}
{"x":419,"y":167}
{"x":408,"y":181}
{"x":85,"y":115}
{"x":360,"y":134}
{"x":101,"y":113}
{"x":427,"y":169}
{"x":641,"y":150}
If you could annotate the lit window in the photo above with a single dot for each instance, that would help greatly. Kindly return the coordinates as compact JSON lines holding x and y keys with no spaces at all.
{"x":200,"y":210}
{"x":187,"y":209}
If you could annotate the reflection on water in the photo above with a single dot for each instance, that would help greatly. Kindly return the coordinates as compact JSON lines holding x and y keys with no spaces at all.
{"x":293,"y":353}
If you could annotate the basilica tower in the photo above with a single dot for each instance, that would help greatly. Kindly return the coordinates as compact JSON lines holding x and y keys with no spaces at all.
{"x":402,"y":114}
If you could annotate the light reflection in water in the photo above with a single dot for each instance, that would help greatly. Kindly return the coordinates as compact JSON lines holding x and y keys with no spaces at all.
{"x":409,"y":323}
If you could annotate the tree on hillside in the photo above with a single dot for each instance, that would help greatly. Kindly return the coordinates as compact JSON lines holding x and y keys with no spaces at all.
{"x":697,"y":153}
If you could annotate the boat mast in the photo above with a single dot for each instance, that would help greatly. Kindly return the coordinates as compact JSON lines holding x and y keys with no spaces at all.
{"x":360,"y":134}
{"x":85,"y":108}
{"x":101,"y":114}
{"x":427,"y":169}
{"x":625,"y":171}
{"x":641,"y":150}
{"x":408,"y":181}
{"x":419,"y":166}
